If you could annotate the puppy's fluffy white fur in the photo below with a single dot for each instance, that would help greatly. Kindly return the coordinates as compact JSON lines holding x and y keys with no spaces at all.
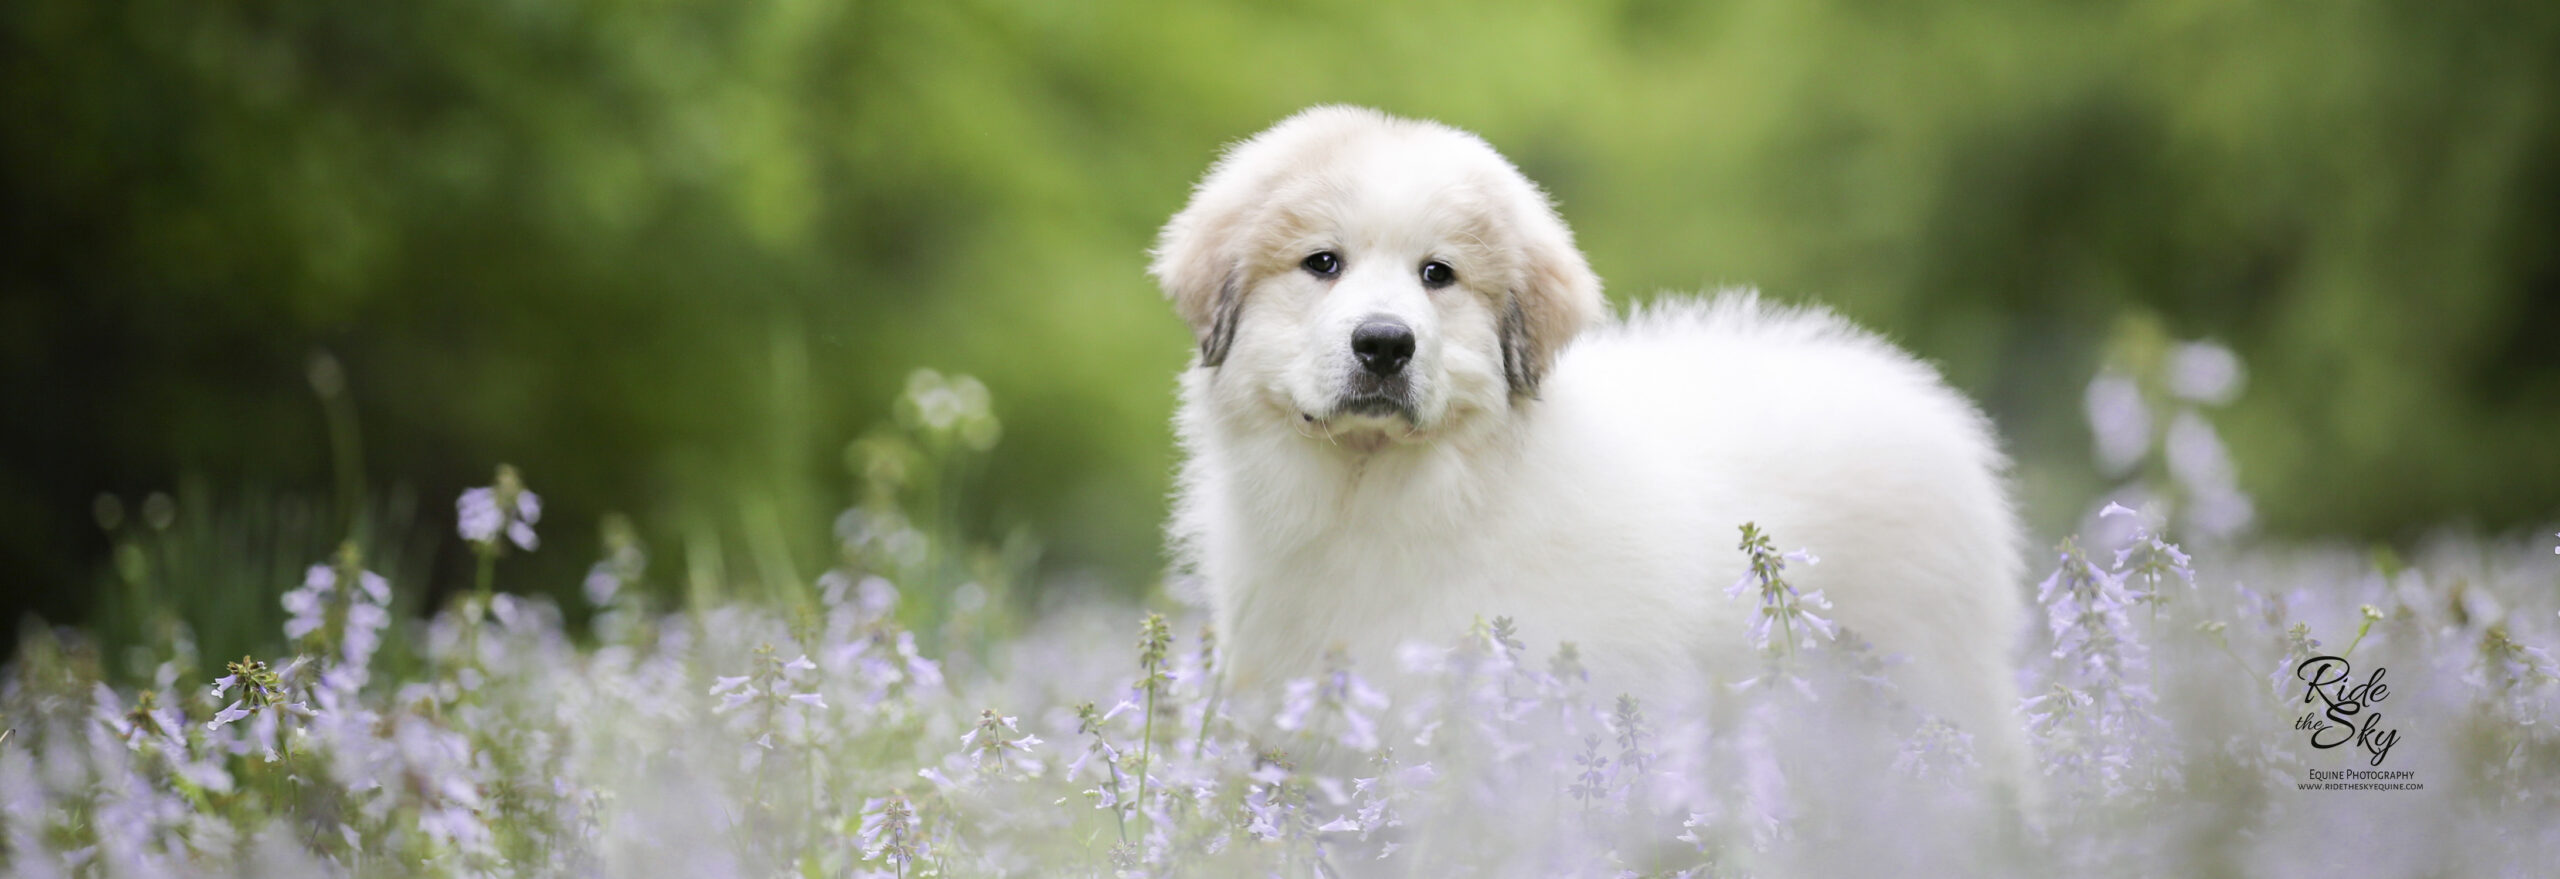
{"x":1583,"y":476}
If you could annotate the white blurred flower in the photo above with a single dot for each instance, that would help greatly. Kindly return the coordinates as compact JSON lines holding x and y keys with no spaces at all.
{"x":2221,"y":512}
{"x":2119,"y":422}
{"x":2202,"y":465}
{"x":955,"y":406}
{"x":307,"y":605}
{"x":601,"y":585}
{"x":1296,"y":705}
{"x":365,"y":623}
{"x":367,"y":612}
{"x":2205,"y":372}
{"x":2196,"y":455}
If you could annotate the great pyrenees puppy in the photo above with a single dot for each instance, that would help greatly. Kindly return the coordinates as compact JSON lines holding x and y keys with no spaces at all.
{"x":1411,"y":411}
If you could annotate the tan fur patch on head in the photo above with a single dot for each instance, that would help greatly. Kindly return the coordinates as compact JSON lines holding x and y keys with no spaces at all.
{"x":1201,"y":253}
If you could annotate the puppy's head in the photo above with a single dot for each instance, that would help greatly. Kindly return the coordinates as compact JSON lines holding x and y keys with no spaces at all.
{"x":1373,"y":277}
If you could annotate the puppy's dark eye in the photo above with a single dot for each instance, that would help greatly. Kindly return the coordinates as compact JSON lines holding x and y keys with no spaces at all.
{"x":1322,"y":264}
{"x":1436,"y":274}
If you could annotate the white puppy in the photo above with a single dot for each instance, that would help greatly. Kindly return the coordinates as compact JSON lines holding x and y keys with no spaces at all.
{"x":1407,"y":414}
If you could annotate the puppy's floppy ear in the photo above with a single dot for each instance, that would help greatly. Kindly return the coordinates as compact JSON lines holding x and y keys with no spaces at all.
{"x":1556,"y":296}
{"x":1194,"y":265}
{"x":1222,"y":320}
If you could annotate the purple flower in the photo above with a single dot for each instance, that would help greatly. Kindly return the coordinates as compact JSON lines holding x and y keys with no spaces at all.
{"x":477,"y":515}
{"x":481,"y":514}
{"x":997,"y":743}
{"x":1781,"y":606}
{"x":888,"y":833}
{"x":2096,"y":708}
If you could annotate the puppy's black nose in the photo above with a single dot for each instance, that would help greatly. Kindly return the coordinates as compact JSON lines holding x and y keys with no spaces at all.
{"x":1383,"y":345}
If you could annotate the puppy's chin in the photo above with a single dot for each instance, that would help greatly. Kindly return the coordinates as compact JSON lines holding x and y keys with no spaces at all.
{"x":1365,"y":425}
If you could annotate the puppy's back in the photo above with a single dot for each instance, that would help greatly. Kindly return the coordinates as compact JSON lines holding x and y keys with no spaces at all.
{"x":1829,"y":438}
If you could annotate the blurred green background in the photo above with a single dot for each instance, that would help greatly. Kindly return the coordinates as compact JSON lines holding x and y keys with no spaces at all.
{"x":669,"y":257}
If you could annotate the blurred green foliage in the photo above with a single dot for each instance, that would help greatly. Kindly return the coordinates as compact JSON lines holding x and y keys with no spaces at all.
{"x":668,"y":257}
